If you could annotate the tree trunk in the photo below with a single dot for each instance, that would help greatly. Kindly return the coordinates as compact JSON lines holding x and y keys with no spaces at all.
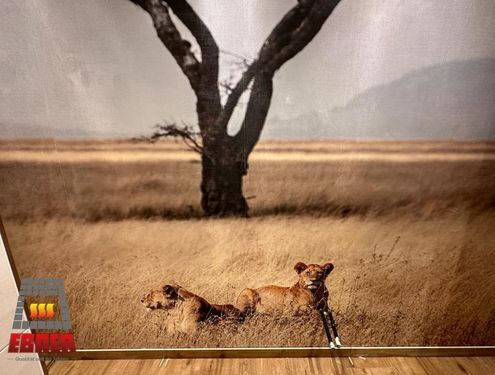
{"x":221,"y":185}
{"x":224,"y":157}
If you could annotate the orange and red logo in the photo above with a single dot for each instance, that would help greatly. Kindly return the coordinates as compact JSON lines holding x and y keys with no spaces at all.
{"x":52,"y":316}
{"x":41,"y":311}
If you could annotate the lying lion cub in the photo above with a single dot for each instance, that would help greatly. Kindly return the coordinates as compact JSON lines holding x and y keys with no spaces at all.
{"x":308,"y":293}
{"x":188,"y":308}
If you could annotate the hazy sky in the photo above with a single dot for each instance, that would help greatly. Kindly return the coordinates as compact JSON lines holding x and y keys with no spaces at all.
{"x":97,"y":67}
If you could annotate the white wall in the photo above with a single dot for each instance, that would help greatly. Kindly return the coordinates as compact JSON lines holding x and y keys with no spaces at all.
{"x":8,"y":298}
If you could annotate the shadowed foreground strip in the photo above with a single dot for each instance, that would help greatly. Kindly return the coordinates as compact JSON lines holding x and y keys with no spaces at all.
{"x":337,"y":366}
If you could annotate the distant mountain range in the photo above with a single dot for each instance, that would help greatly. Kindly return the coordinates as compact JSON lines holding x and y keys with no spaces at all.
{"x":455,"y":100}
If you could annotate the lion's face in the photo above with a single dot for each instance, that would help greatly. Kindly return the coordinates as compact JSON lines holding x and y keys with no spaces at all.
{"x":164,"y":298}
{"x":313,"y":276}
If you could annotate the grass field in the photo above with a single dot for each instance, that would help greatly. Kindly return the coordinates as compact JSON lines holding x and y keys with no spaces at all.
{"x":409,"y":227}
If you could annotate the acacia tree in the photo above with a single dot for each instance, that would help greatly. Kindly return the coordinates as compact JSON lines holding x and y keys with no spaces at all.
{"x":225,"y":157}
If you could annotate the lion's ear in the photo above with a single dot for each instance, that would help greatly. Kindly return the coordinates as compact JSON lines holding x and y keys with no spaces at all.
{"x":328,"y":267}
{"x":299,"y":267}
{"x":169,"y":290}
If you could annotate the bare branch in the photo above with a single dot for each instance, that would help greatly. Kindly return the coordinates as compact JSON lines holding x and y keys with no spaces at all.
{"x":236,"y":92}
{"x":225,"y":87}
{"x":246,"y":60}
{"x":294,"y":32}
{"x":208,"y":90}
{"x":186,"y":133}
{"x":281,"y":33}
{"x":171,"y":38}
{"x":187,"y":15}
{"x":203,"y":76}
{"x":292,"y":19}
{"x":256,"y":112}
{"x":236,"y":69}
{"x":296,"y":29}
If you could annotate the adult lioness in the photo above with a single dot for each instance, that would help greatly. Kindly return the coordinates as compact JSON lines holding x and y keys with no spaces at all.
{"x":308,"y":293}
{"x":187,"y":309}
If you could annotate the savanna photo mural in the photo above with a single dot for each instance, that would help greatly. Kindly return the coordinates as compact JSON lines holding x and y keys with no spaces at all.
{"x":228,"y":173}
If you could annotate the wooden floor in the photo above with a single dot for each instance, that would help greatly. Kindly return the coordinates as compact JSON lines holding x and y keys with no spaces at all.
{"x":276,"y":366}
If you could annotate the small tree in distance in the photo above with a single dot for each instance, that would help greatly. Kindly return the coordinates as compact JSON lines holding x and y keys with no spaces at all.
{"x":224,"y":157}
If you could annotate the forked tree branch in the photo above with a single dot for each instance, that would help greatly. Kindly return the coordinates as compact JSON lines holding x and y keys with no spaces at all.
{"x":167,"y":32}
{"x":208,"y":90}
{"x":209,"y":48}
{"x":256,"y":112}
{"x":202,"y":75}
{"x":235,"y":95}
{"x":294,"y":31}
{"x":291,"y":19}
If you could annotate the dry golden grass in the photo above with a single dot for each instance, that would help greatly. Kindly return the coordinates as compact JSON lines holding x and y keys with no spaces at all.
{"x":413,"y":244}
{"x":289,"y":151}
